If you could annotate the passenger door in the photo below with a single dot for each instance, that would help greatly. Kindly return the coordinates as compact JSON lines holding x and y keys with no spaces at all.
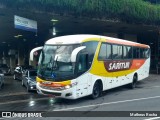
{"x":82,"y":80}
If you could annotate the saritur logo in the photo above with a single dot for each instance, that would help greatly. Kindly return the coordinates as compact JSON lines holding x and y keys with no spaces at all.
{"x":113,"y":66}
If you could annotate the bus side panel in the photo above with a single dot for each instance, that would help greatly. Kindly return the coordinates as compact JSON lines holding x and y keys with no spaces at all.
{"x":83,"y":85}
{"x":143,"y":72}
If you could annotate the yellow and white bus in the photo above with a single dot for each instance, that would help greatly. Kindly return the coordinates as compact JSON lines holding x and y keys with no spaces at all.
{"x":75,"y":66}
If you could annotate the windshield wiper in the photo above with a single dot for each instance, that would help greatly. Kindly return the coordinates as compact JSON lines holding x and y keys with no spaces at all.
{"x":55,"y":65}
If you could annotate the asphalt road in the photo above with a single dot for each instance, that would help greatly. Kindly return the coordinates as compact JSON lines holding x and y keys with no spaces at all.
{"x":145,"y":97}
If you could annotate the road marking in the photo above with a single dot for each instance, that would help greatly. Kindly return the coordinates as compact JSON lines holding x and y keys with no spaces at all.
{"x":20,"y":93}
{"x":152,"y":118}
{"x":20,"y":101}
{"x":156,"y":86}
{"x":108,"y":103}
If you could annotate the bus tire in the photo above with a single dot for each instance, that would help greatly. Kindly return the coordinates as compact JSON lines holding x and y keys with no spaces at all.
{"x":134,"y":82}
{"x":97,"y":90}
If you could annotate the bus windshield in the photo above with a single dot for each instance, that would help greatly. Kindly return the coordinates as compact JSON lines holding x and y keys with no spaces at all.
{"x":55,"y":62}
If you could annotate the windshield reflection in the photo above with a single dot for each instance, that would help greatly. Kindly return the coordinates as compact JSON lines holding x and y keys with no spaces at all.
{"x":55,"y":61}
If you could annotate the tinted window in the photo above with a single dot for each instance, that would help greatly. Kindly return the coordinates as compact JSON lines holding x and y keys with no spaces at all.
{"x":146,"y":52}
{"x":136,"y":52}
{"x":109,"y":51}
{"x":116,"y":51}
{"x":142,"y":54}
{"x":127,"y":52}
{"x":91,"y":49}
{"x":105,"y":52}
{"x":82,"y":64}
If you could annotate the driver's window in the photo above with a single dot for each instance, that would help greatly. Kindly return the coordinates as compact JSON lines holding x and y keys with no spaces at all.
{"x":82,"y":63}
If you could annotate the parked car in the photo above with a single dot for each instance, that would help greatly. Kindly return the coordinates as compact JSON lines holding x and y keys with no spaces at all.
{"x":19,"y":70}
{"x":5,"y":69}
{"x":1,"y":79}
{"x":29,"y":79}
{"x":18,"y":73}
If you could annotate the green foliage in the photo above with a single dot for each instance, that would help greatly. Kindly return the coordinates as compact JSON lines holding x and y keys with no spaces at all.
{"x":140,"y":11}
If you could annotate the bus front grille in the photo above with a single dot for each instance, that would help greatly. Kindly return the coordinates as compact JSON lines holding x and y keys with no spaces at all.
{"x":51,"y":93}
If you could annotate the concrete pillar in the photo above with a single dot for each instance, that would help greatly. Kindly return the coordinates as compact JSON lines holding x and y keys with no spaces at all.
{"x":21,"y":56}
{"x":4,"y":60}
{"x":8,"y":61}
{"x":12,"y":63}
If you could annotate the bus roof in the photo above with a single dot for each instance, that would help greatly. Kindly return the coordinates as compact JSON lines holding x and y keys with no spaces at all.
{"x":76,"y":39}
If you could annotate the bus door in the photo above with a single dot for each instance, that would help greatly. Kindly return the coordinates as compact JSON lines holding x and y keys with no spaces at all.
{"x":84,"y":77}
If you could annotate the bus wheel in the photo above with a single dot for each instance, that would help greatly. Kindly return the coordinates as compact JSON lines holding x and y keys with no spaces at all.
{"x":134,"y":81}
{"x":96,"y":90}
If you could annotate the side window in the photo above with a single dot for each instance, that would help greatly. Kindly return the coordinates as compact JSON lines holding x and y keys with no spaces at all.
{"x":127,"y":52}
{"x":109,"y":52}
{"x":91,"y":49}
{"x":142,"y":55}
{"x":136,"y":52}
{"x":105,"y":52}
{"x":146,"y":53}
{"x":82,"y":64}
{"x":116,"y":51}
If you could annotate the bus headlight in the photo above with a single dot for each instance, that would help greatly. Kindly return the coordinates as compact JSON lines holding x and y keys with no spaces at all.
{"x":70,"y":86}
{"x":67,"y":86}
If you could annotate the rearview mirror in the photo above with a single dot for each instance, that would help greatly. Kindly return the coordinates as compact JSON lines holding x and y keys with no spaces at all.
{"x":75,"y":52}
{"x":34,"y":50}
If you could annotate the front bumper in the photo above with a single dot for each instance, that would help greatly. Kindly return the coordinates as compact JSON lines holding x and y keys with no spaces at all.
{"x":67,"y":93}
{"x":32,"y":87}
